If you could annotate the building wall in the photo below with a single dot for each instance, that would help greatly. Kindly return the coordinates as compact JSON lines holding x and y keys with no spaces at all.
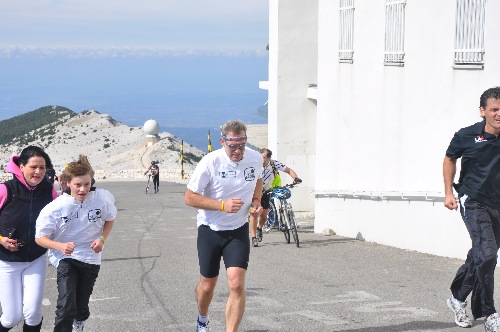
{"x":293,"y":49}
{"x":386,"y":128}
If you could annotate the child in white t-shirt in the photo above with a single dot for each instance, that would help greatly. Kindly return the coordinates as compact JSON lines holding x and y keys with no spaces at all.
{"x":74,"y":228}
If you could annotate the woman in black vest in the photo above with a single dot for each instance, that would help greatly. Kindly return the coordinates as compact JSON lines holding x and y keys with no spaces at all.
{"x":23,"y":263}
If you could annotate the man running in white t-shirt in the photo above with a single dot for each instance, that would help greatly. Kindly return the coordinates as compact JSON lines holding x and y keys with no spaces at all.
{"x":225,"y":186}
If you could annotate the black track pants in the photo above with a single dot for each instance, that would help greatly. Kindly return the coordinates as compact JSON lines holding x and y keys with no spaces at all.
{"x":476,"y":275}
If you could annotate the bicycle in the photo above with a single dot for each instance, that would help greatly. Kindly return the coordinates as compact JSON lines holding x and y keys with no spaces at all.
{"x":147,"y":183}
{"x":281,"y":209}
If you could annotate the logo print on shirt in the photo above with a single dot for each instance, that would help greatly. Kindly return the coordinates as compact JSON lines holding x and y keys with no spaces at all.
{"x":227,"y":174}
{"x":480,"y":138}
{"x":94,"y":215}
{"x":249,"y":174}
{"x":71,"y":217}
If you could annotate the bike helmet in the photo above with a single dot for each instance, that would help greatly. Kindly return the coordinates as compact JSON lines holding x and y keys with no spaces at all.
{"x":282,"y":192}
{"x":153,"y":162}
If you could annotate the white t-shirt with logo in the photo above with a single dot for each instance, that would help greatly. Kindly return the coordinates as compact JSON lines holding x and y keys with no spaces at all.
{"x":66,"y":219}
{"x":218,"y":177}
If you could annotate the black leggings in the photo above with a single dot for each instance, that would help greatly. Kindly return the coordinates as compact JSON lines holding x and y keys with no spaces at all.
{"x":156,"y":181}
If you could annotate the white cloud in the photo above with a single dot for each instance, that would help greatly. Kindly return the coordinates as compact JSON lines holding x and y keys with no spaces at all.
{"x":121,"y":52}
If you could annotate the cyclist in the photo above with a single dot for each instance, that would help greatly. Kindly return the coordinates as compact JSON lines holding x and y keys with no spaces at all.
{"x":155,"y":172}
{"x":270,"y":171}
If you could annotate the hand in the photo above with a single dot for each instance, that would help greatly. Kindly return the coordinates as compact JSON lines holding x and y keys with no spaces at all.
{"x":97,"y":245}
{"x":233,"y":205}
{"x":67,"y":248}
{"x":450,"y":202}
{"x":297,"y":181}
{"x":255,"y":209}
{"x":9,"y":244}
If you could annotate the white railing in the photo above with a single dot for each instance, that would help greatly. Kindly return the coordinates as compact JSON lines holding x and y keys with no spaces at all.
{"x":346,"y":31}
{"x":469,"y":32}
{"x":382,"y":195}
{"x":394,"y":31}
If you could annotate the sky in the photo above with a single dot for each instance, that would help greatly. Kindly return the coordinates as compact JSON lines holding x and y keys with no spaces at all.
{"x":174,"y":61}
{"x":131,"y":27}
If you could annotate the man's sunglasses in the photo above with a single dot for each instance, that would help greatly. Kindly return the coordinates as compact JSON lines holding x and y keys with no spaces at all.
{"x":240,"y":147}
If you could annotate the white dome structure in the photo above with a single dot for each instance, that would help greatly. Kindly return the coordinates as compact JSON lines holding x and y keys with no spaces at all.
{"x":151,"y":128}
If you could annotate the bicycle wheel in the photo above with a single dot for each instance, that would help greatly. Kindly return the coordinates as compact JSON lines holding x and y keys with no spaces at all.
{"x":284,"y":225}
{"x":272,"y":215}
{"x":293,"y":224}
{"x":147,"y":187}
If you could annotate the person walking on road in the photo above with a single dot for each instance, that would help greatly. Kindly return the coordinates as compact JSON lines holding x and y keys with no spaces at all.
{"x":478,"y":189}
{"x":155,"y":172}
{"x":74,"y":228}
{"x":23,"y":263}
{"x":270,"y":171}
{"x":225,"y":186}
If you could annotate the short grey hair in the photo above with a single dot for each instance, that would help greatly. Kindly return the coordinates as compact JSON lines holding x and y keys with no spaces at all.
{"x":233,"y":126}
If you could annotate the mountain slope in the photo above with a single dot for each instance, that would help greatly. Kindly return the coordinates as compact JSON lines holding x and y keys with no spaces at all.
{"x":115,"y":150}
{"x":29,"y":122}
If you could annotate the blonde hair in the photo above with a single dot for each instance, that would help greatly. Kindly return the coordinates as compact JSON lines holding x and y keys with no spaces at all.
{"x":79,"y":168}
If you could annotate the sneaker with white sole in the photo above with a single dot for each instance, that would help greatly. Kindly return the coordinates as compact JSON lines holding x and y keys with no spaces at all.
{"x":255,"y":242}
{"x":202,"y":327}
{"x":492,"y":323}
{"x":78,"y":325}
{"x":461,"y":317}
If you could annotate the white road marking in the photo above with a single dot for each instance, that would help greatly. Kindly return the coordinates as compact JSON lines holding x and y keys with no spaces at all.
{"x":319,"y":317}
{"x":103,"y":299}
{"x":394,"y":307}
{"x":358,"y":296}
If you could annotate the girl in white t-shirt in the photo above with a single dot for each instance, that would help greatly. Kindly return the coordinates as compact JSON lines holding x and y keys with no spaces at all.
{"x":74,"y":228}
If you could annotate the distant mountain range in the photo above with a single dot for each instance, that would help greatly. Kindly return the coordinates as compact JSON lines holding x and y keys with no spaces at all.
{"x":115,"y":150}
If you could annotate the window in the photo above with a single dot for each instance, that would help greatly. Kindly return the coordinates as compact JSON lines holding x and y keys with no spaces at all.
{"x":346,"y":31}
{"x":469,"y":32}
{"x":394,"y":32}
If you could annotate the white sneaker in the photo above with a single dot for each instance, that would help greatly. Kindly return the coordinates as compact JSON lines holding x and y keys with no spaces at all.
{"x":461,"y":317}
{"x":492,"y":323}
{"x":202,"y":327}
{"x":78,"y":325}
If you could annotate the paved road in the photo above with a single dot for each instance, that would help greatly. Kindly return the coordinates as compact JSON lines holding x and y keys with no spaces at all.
{"x":330,"y":283}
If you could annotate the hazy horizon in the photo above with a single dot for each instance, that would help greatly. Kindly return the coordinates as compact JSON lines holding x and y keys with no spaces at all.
{"x":184,"y":92}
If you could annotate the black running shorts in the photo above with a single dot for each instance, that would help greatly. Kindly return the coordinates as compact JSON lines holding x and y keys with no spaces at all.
{"x":265,"y":200}
{"x":233,"y":246}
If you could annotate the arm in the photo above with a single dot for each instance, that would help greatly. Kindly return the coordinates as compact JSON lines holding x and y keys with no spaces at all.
{"x":256,"y":208}
{"x":66,"y":248}
{"x":292,"y":173}
{"x":449,"y":170}
{"x":98,"y":244}
{"x":3,"y":194}
{"x":198,"y":201}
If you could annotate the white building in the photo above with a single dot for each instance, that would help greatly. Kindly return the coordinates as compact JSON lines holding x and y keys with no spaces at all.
{"x":395,"y":80}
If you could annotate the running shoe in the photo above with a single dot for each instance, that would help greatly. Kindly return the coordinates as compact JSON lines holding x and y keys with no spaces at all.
{"x":78,"y":325}
{"x":492,"y":323}
{"x":255,"y":242}
{"x":461,"y":317}
{"x":202,"y":327}
{"x":259,"y":234}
